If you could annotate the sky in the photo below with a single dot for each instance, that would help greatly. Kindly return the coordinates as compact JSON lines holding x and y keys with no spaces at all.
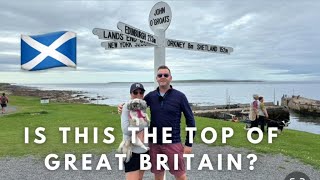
{"x":271,"y":40}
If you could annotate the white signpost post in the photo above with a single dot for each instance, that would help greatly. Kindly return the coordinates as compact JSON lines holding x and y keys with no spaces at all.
{"x":159,"y":20}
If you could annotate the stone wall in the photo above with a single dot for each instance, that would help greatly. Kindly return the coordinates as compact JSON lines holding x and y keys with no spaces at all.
{"x":301,"y":105}
{"x":275,"y":112}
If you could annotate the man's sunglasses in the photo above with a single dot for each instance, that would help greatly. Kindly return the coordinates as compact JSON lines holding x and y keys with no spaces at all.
{"x":162,"y":75}
{"x":136,"y":93}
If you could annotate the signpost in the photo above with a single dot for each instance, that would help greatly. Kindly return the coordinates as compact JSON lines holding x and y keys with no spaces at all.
{"x":160,"y":16}
{"x":106,"y":34}
{"x":137,"y":33}
{"x":172,"y":43}
{"x":159,"y":20}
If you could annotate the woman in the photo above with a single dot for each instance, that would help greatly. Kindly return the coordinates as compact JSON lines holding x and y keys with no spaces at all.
{"x":253,"y":115}
{"x":132,"y":167}
{"x":262,"y":113}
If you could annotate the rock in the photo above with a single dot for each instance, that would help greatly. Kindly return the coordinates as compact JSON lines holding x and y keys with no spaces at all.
{"x":53,"y":95}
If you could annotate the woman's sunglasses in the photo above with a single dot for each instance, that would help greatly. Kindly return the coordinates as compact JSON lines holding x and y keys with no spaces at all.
{"x":136,"y":93}
{"x":162,"y":75}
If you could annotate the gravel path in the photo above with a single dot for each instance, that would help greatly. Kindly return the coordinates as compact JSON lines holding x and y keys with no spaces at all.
{"x":9,"y":110}
{"x":266,"y":167}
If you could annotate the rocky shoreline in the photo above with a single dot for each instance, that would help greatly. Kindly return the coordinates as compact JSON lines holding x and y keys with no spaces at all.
{"x":53,"y":95}
{"x":302,"y":105}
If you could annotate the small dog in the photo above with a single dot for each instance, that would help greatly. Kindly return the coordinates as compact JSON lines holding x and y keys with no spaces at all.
{"x":137,"y":115}
{"x":278,"y":124}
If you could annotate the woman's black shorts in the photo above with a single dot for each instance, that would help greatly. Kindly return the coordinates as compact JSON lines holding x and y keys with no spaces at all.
{"x":134,"y":163}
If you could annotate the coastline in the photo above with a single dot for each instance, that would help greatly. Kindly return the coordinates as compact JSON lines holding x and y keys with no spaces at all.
{"x":111,"y":95}
{"x":63,"y":96}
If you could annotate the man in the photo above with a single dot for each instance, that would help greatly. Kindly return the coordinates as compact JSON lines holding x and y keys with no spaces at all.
{"x":166,"y":105}
{"x":4,"y":101}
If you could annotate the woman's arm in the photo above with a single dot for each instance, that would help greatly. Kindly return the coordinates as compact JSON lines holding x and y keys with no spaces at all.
{"x":264,"y":110}
{"x":125,"y":121}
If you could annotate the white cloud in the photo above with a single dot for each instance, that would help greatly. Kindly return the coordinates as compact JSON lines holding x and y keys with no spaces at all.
{"x":241,"y":22}
{"x":9,"y":39}
{"x":271,"y":40}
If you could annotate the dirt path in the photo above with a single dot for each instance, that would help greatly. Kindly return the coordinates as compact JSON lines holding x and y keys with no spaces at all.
{"x":9,"y":110}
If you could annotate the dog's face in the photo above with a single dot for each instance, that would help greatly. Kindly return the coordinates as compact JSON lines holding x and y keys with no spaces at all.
{"x":137,"y":104}
{"x":286,"y":123}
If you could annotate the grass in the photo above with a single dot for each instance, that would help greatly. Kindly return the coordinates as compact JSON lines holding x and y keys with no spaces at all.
{"x":301,"y":145}
{"x":30,"y":113}
{"x":52,"y":116}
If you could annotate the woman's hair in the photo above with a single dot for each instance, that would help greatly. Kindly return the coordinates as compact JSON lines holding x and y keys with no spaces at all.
{"x":260,"y":98}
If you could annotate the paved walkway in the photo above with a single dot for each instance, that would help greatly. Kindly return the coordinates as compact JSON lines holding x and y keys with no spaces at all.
{"x":9,"y":110}
{"x":267,"y":167}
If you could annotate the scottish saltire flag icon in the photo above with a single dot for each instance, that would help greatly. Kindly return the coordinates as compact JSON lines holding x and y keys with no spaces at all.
{"x":50,"y":50}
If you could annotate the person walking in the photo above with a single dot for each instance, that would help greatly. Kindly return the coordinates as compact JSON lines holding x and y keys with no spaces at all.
{"x":263,"y":114}
{"x":4,"y":101}
{"x":253,"y":115}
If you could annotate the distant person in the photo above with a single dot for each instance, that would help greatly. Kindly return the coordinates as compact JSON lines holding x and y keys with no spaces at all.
{"x":253,"y":115}
{"x":132,"y":165}
{"x":4,"y":102}
{"x":263,"y":114}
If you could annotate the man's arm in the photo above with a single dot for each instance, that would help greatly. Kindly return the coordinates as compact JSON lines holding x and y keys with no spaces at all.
{"x":190,"y":122}
{"x":147,"y":99}
{"x":120,"y":107}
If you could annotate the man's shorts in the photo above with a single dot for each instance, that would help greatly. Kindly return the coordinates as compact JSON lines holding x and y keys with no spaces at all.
{"x":169,"y":150}
{"x":3,"y":105}
{"x":134,"y":162}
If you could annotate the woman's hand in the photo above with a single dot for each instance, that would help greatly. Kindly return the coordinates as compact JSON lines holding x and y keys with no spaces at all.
{"x":120,"y":106}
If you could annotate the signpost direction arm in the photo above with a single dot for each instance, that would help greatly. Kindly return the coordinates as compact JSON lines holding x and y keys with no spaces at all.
{"x":137,"y":33}
{"x":187,"y":45}
{"x":123,"y":45}
{"x":107,"y":34}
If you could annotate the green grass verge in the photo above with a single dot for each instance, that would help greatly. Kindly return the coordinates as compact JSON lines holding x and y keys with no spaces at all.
{"x":301,"y":145}
{"x":30,"y":113}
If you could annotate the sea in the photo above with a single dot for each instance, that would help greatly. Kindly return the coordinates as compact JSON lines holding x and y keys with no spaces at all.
{"x":208,"y":93}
